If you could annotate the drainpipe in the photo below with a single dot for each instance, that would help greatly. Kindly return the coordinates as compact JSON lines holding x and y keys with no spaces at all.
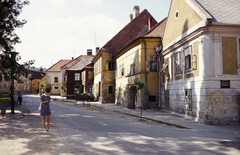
{"x":145,"y":73}
{"x":159,"y":86}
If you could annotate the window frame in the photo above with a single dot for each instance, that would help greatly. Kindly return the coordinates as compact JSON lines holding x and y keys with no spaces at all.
{"x":77,"y":76}
{"x":112,"y":88}
{"x":153,"y":98}
{"x":121,"y":70}
{"x":178,"y":63}
{"x":188,"y":58}
{"x":55,"y":79}
{"x":110,"y":65}
{"x":132,"y":66}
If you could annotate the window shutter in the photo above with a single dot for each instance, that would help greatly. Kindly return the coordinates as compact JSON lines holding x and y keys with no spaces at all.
{"x":183,"y":57}
{"x":194,"y":62}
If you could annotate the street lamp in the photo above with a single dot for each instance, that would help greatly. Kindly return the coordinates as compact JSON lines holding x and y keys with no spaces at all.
{"x":13,"y":65}
{"x":158,"y":50}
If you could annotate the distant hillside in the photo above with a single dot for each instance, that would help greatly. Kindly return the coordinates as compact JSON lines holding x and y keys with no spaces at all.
{"x":36,"y":68}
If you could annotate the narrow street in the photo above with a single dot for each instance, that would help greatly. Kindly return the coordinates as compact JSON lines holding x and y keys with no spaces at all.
{"x":82,"y":130}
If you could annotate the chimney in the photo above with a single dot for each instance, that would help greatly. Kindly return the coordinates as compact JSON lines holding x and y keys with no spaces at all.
{"x":97,"y":49}
{"x":131,"y":17}
{"x":72,"y":58}
{"x":89,"y":51}
{"x":135,"y":11}
{"x":149,"y":23}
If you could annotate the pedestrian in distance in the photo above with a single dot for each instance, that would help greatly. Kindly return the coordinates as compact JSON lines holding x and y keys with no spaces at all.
{"x":45,"y":108}
{"x":19,"y":97}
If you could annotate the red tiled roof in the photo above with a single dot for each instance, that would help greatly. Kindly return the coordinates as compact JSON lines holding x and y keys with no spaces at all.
{"x":157,"y":30}
{"x":72,"y":62}
{"x":57,"y":66}
{"x":130,"y":32}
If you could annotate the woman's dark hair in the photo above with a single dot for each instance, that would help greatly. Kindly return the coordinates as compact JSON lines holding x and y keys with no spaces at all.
{"x":47,"y":90}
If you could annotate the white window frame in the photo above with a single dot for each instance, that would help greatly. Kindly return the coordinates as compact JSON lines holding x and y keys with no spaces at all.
{"x":178,"y":63}
{"x":77,"y":76}
{"x":188,"y":54}
{"x":132,"y":70}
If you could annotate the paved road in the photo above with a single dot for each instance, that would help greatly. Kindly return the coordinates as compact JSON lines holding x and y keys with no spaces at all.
{"x":79,"y":130}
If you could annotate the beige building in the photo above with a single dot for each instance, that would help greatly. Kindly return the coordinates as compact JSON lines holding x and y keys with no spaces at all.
{"x":200,"y":74}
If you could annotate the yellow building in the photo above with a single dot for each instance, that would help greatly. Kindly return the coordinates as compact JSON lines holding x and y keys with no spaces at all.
{"x":37,"y":77}
{"x":122,"y":60}
{"x":139,"y":61}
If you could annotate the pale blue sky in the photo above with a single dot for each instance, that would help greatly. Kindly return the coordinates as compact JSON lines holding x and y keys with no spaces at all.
{"x":61,"y":29}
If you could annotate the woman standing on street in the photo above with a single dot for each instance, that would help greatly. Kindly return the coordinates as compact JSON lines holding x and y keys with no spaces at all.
{"x":45,"y":108}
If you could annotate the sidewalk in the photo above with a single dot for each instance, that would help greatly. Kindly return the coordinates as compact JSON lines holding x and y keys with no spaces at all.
{"x":164,"y":116}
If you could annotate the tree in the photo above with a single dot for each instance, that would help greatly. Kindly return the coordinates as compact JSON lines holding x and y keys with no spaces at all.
{"x":9,"y":11}
{"x":139,"y":85}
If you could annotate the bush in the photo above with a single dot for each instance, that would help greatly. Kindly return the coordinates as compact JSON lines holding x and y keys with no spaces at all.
{"x":81,"y":97}
{"x":6,"y":98}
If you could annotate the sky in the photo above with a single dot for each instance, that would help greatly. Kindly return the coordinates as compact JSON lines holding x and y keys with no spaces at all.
{"x":62,"y":29}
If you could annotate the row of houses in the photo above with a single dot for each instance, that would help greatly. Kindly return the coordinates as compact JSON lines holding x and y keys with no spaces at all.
{"x":189,"y":61}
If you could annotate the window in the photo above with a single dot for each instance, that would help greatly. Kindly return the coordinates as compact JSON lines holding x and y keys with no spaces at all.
{"x":76,"y":91}
{"x":55,"y":79}
{"x":121,"y":70}
{"x":110,"y":89}
{"x":33,"y":84}
{"x":178,"y":63}
{"x":110,"y":66}
{"x":90,"y":75}
{"x":152,"y":98}
{"x":77,"y":76}
{"x":189,"y":58}
{"x":153,"y":63}
{"x":132,"y":66}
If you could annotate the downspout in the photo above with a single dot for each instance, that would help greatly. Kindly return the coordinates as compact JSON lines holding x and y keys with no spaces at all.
{"x":159,"y":85}
{"x":145,"y":73}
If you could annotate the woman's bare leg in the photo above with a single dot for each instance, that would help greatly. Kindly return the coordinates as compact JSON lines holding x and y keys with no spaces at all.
{"x":44,"y":121}
{"x":48,"y":121}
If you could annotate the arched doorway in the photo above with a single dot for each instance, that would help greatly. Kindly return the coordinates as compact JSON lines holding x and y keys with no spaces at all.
{"x":132,"y":97}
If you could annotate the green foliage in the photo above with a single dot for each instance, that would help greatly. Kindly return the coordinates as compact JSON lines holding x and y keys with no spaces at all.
{"x":10,"y":10}
{"x":62,"y":87}
{"x":81,"y":97}
{"x":139,"y":84}
{"x":36,"y":68}
{"x":6,"y":98}
{"x":56,"y":87}
{"x":78,"y":86}
{"x":41,"y":85}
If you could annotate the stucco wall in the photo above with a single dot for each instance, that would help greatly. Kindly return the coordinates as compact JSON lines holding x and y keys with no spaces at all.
{"x":187,"y":19}
{"x":210,"y":102}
